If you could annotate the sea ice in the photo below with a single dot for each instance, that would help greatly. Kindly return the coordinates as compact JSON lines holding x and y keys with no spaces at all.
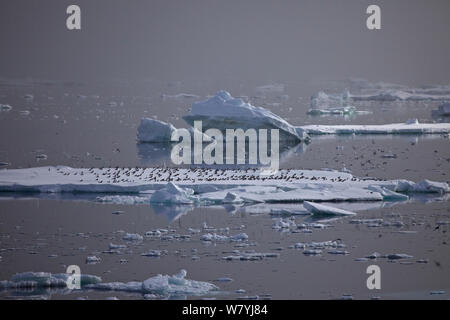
{"x":173,"y":194}
{"x":394,"y":128}
{"x":320,"y":209}
{"x":225,"y":112}
{"x":151,"y":130}
{"x":5,"y":107}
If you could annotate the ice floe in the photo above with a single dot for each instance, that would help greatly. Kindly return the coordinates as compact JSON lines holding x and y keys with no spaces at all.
{"x":194,"y":187}
{"x":36,"y":280}
{"x":409,"y":127}
{"x":161,"y":286}
{"x":320,"y":209}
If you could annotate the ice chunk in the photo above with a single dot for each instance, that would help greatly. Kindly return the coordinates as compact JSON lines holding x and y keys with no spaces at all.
{"x":5,"y":107}
{"x":151,"y":130}
{"x":232,"y":197}
{"x":388,"y":194}
{"x":320,"y":209}
{"x":174,"y":194}
{"x":425,"y":186}
{"x":92,"y":260}
{"x":225,"y":112}
{"x":133,"y":237}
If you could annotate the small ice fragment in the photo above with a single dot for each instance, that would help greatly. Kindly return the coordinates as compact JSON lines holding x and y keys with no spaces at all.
{"x":320,"y":209}
{"x":92,"y":260}
{"x":5,"y":107}
{"x":398,"y":256}
{"x":223,"y":279}
{"x":437,"y":292}
{"x":133,"y":237}
{"x":151,"y":253}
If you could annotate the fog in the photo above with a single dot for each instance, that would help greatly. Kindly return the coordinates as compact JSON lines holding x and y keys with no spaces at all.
{"x":288,"y":40}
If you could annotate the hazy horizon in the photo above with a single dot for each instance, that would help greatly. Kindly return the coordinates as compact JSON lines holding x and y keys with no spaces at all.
{"x":210,"y":39}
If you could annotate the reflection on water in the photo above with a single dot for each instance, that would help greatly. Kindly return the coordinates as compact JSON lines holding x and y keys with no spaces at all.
{"x":175,"y":211}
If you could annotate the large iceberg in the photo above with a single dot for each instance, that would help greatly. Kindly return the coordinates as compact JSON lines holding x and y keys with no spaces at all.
{"x":222,"y":112}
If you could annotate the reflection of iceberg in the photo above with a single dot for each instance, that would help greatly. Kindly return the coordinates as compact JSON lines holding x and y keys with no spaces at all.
{"x":172,"y":211}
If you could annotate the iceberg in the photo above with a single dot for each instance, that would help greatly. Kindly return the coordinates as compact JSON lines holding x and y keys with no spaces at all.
{"x":152,"y":130}
{"x":173,"y":194}
{"x":222,"y":112}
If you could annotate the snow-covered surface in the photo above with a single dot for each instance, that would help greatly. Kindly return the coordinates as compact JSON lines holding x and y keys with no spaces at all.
{"x":409,"y":127}
{"x":222,"y":112}
{"x":163,"y":186}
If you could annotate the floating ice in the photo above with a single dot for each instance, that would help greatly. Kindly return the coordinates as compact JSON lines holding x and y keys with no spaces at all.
{"x":320,"y":209}
{"x":394,"y":128}
{"x":92,"y":260}
{"x":225,"y":112}
{"x":151,"y":130}
{"x":252,"y":186}
{"x":5,"y":107}
{"x":46,"y":280}
{"x":132,"y":237}
{"x":213,"y":237}
{"x":172,"y":194}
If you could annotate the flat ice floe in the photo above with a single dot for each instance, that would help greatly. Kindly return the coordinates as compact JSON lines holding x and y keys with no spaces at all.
{"x":409,"y":127}
{"x":162,"y":186}
{"x":160,"y":285}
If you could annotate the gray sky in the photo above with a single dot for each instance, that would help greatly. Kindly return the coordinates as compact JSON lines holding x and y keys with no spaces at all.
{"x":248,"y":39}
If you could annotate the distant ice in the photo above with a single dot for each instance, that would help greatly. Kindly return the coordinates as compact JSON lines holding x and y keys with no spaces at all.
{"x":409,"y":127}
